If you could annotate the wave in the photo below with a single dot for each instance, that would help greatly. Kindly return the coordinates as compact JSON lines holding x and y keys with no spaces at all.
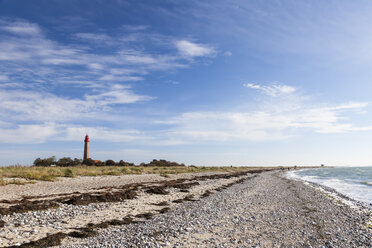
{"x":367,"y":183}
{"x":348,"y":184}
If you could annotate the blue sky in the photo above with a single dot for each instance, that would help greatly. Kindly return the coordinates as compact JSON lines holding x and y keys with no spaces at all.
{"x":199,"y":82}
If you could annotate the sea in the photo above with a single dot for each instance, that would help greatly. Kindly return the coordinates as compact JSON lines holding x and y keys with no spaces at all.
{"x":353,"y":182}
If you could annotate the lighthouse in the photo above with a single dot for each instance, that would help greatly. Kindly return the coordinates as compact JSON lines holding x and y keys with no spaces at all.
{"x":86,"y":147}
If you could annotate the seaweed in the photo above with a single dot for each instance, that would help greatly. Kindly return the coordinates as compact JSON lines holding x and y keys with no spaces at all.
{"x":50,"y":240}
{"x":85,"y":232}
{"x":164,"y":210}
{"x":206,"y":194}
{"x":147,"y":215}
{"x":159,"y":190}
{"x":163,"y":203}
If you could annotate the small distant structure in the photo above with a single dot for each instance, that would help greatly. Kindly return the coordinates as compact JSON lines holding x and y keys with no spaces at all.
{"x":322,"y":165}
{"x":86,"y":147}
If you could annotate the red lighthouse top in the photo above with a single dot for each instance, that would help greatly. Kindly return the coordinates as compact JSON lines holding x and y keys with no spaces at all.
{"x":86,"y":138}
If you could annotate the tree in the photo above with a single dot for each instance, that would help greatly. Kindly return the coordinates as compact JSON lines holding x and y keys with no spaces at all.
{"x":123,"y":163}
{"x":99,"y":163}
{"x":66,"y":161}
{"x":110,"y":162}
{"x":45,"y":161}
{"x":88,"y":162}
{"x":77,"y":161}
{"x":163,"y":163}
{"x":51,"y":160}
{"x":37,"y":162}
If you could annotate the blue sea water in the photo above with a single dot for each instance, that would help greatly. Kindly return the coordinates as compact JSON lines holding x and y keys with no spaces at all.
{"x":354,"y":182}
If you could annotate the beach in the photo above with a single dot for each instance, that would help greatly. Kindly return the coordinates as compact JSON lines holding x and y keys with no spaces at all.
{"x":242,"y":209}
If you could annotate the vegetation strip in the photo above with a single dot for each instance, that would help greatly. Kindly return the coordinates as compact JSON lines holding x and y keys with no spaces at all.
{"x":89,"y":230}
{"x":48,"y":173}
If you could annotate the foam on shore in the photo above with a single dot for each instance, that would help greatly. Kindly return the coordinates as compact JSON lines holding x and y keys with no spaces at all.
{"x":347,"y":191}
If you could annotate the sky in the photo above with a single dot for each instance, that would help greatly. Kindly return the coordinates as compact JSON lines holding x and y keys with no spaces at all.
{"x":253,"y":83}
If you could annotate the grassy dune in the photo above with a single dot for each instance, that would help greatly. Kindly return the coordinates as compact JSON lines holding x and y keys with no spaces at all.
{"x":52,"y":173}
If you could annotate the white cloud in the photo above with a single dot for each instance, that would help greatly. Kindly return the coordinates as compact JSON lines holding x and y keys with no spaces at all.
{"x":273,"y":89}
{"x":30,"y":55}
{"x":39,"y":133}
{"x":119,"y":94}
{"x":61,"y":61}
{"x":33,"y":67}
{"x":138,"y":58}
{"x":27,"y":53}
{"x":226,"y":126}
{"x":42,"y":106}
{"x":350,"y":105}
{"x":21,"y":28}
{"x":28,"y":134}
{"x":94,"y":37}
{"x":13,"y":85}
{"x":191,"y":49}
{"x":120,"y":78}
{"x":74,"y":133}
{"x":39,"y":106}
{"x":96,"y":66}
{"x":271,"y":122}
{"x":227,"y":53}
{"x":135,"y":27}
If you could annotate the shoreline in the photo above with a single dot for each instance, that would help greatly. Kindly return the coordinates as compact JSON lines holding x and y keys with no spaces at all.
{"x":360,"y":205}
{"x":334,"y":193}
{"x":263,"y":209}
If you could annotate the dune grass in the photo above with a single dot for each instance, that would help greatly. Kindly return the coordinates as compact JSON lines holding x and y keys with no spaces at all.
{"x":52,"y":173}
{"x":14,"y":181}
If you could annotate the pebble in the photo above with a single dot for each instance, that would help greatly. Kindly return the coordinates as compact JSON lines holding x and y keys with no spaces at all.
{"x":265,"y":211}
{"x":225,"y":219}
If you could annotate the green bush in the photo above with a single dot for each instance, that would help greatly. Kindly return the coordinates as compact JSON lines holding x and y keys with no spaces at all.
{"x":68,"y":173}
{"x":47,"y":178}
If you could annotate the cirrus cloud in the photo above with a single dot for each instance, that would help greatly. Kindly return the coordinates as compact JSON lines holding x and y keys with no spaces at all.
{"x":29,"y":54}
{"x":273,"y":89}
{"x":191,"y":49}
{"x":44,"y":106}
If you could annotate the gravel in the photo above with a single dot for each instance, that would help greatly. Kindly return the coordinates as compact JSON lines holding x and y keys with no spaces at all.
{"x":265,"y":211}
{"x":21,"y":228}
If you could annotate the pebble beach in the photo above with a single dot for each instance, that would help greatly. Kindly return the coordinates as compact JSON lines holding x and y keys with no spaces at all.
{"x":259,"y":209}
